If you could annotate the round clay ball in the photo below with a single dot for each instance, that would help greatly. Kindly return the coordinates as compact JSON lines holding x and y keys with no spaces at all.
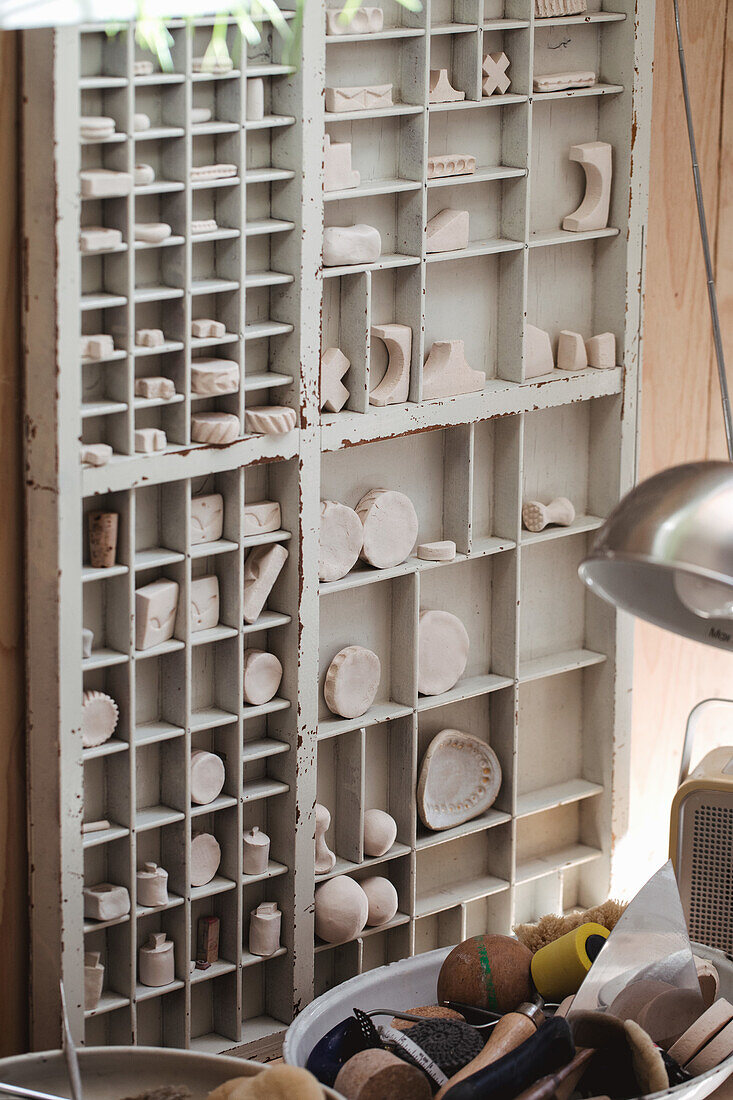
{"x":382,"y":898}
{"x":341,"y":909}
{"x":342,"y":536}
{"x":262,"y":675}
{"x":488,"y":971}
{"x":205,"y":858}
{"x":390,"y":527}
{"x":352,"y":681}
{"x":207,"y":777}
{"x":380,"y":832}
{"x":442,"y":652}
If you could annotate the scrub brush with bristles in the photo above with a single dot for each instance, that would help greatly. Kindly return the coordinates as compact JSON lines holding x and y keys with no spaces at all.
{"x":551,"y":928}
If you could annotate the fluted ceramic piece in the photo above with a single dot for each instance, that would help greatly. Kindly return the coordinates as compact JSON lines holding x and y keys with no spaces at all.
{"x":380,"y":832}
{"x":214,"y":377}
{"x":352,"y":681}
{"x":256,"y":851}
{"x":264,"y":929}
{"x":341,"y":540}
{"x":443,"y":646}
{"x":99,"y":717}
{"x":390,"y":527}
{"x":156,"y":965}
{"x":215,"y":428}
{"x":270,"y":419}
{"x":341,"y":909}
{"x":460,"y":778}
{"x":152,"y":885}
{"x":325,"y":859}
{"x":536,"y":516}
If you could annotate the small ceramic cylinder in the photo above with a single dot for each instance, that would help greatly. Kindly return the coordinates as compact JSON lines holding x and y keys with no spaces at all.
{"x":103,"y":539}
{"x":152,"y":885}
{"x":157,"y":964}
{"x":264,"y":929}
{"x":256,"y":852}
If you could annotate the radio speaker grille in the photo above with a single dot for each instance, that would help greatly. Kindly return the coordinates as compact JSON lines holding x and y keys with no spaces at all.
{"x":708,"y":853}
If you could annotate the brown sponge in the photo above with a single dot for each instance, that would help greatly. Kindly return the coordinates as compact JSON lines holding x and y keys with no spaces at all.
{"x":551,"y":928}
{"x":274,"y":1083}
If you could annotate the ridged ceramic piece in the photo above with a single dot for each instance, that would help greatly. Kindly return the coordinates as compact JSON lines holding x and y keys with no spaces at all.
{"x":460,"y":778}
{"x":99,"y":717}
{"x":270,"y":419}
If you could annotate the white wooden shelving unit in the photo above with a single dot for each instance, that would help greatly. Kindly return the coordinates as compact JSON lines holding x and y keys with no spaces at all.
{"x":549,"y":670}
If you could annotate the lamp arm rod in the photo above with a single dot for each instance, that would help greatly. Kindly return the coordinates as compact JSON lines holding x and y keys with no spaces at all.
{"x":712,"y":296}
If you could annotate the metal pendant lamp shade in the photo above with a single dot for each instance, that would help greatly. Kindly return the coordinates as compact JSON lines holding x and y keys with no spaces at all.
{"x":666,"y":553}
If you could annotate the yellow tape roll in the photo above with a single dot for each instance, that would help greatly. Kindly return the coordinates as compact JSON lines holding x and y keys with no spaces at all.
{"x":559,"y":968}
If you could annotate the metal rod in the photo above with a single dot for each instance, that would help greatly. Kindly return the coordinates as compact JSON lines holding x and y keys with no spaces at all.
{"x":28,"y":1094}
{"x":712,"y":296}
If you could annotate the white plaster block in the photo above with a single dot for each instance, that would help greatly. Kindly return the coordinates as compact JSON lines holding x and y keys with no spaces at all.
{"x":325,"y":859}
{"x":87,"y":641}
{"x":447,"y":231}
{"x":216,"y":65}
{"x":443,"y":646}
{"x":203,"y":225}
{"x":359,"y":97}
{"x":264,"y":929}
{"x":538,"y":357}
{"x":256,"y":852}
{"x":101,"y":183}
{"x":261,"y":569}
{"x":545,"y":9}
{"x":214,"y":427}
{"x":214,"y":377}
{"x":149,"y":338}
{"x":152,"y":232}
{"x":334,"y":393}
{"x":380,"y":832}
{"x":105,"y":901}
{"x":261,"y":517}
{"x":437,"y":551}
{"x":140,"y":122}
{"x":152,"y":885}
{"x":263,"y":674}
{"x":571,"y":353}
{"x":363,"y":21}
{"x":341,"y":909}
{"x":156,"y":605}
{"x":93,"y":980}
{"x":96,"y":454}
{"x":142,"y":68}
{"x":338,"y":175}
{"x":207,"y":518}
{"x":394,"y":387}
{"x":200,"y":115}
{"x":204,"y":603}
{"x":495,"y":77}
{"x":596,"y":160}
{"x":382,"y":899}
{"x":352,"y":681}
{"x":99,"y":717}
{"x":155,"y":386}
{"x":207,"y":777}
{"x":99,"y":346}
{"x":441,"y":90}
{"x":213,"y":171}
{"x":149,"y":441}
{"x":558,"y":82}
{"x":144,"y":174}
{"x":205,"y":858}
{"x":207,"y":329}
{"x":536,"y":516}
{"x":446,"y":372}
{"x":451,"y":164}
{"x":156,"y":963}
{"x":255,"y":99}
{"x":96,"y":127}
{"x":341,"y":540}
{"x":270,"y":419}
{"x":601,"y":351}
{"x":351,"y":244}
{"x":390,"y":527}
{"x":97,"y":238}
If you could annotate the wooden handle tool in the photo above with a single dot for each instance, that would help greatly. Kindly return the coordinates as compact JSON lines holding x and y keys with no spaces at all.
{"x":509,"y":1033}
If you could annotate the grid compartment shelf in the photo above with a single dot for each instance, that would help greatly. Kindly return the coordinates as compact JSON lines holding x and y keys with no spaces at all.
{"x":574,"y":790}
{"x":459,"y":894}
{"x":572,"y":856}
{"x":580,"y":20}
